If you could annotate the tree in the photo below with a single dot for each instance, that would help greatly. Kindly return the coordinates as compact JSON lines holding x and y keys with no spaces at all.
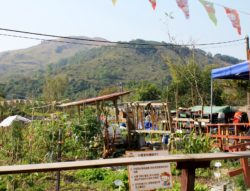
{"x":55,"y":87}
{"x":190,"y":81}
{"x":147,"y":91}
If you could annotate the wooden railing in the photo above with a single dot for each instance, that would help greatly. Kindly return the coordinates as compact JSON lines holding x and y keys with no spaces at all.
{"x":186,"y":162}
{"x":223,"y":132}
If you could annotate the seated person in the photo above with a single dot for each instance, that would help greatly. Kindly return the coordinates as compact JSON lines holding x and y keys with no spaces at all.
{"x":237,"y":117}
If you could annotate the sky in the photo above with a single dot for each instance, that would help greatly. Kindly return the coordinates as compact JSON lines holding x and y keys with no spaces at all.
{"x":128,"y":20}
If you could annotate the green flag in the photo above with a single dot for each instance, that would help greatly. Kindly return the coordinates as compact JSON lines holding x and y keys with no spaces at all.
{"x":210,"y":10}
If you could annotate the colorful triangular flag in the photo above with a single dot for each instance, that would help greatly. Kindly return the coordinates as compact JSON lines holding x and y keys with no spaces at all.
{"x":234,"y":18}
{"x":210,"y":10}
{"x":183,"y":5}
{"x":114,"y":2}
{"x":153,"y":3}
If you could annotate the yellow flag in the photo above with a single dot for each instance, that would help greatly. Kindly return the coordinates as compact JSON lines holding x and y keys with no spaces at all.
{"x":114,"y":2}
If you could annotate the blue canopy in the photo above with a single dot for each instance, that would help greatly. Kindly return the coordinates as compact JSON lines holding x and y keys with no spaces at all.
{"x":238,"y":71}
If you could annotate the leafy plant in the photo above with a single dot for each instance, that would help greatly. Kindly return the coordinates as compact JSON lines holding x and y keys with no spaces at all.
{"x":194,"y":143}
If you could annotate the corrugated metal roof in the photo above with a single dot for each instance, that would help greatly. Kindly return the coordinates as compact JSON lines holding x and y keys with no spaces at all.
{"x":108,"y":97}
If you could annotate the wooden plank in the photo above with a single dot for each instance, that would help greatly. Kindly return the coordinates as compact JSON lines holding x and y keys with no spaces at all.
{"x":239,"y":146}
{"x":109,"y":97}
{"x":235,"y":172}
{"x":239,"y":137}
{"x":45,"y":167}
{"x":183,"y":119}
{"x":227,"y":124}
{"x":152,"y":131}
{"x":203,"y":120}
{"x":196,"y":164}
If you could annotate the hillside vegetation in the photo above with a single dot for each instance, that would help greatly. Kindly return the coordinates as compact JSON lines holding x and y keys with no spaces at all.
{"x":88,"y":69}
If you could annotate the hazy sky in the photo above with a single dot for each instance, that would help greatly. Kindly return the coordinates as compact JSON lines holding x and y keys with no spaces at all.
{"x":129,"y":19}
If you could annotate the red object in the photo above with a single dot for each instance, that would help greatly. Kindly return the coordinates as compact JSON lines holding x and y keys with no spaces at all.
{"x":237,"y":117}
{"x":234,"y":18}
{"x":153,"y":3}
{"x":183,"y":5}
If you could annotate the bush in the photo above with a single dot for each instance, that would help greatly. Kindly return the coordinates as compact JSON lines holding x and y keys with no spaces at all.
{"x":103,"y":178}
{"x":197,"y":143}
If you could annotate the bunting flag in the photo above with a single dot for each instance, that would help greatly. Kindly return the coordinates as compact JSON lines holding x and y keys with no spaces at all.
{"x":234,"y":18}
{"x":114,"y":2}
{"x":183,"y":5}
{"x":210,"y":10}
{"x":153,"y":3}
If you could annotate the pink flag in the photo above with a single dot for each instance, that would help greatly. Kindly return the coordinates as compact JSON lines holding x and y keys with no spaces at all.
{"x":234,"y":18}
{"x":153,"y":3}
{"x":183,"y":5}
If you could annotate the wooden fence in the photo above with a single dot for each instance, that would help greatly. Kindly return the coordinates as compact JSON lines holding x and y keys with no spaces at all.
{"x":186,"y":162}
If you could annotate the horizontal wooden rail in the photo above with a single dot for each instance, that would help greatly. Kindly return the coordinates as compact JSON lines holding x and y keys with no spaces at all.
{"x":151,"y":131}
{"x":227,"y":124}
{"x":58,"y":166}
{"x":237,"y":137}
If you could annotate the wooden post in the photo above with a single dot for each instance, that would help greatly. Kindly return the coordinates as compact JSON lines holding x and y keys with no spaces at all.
{"x":187,"y":179}
{"x":79,"y":112}
{"x":59,"y":159}
{"x":98,"y":110}
{"x":137,"y":117}
{"x":116,"y":111}
{"x":142,"y":118}
{"x":227,"y":134}
{"x":188,"y":173}
{"x":128,"y":124}
{"x":220,"y":138}
{"x":248,"y":58}
{"x":246,"y":171}
{"x":236,"y":133}
{"x":247,"y":47}
{"x":169,"y":118}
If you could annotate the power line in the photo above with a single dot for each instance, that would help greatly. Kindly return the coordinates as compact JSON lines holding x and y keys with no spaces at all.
{"x":77,"y":43}
{"x":97,"y":45}
{"x":223,"y":46}
{"x":50,"y":40}
{"x":223,"y":6}
{"x":111,"y":42}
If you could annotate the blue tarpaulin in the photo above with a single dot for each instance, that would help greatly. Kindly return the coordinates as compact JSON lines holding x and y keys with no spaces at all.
{"x":238,"y":71}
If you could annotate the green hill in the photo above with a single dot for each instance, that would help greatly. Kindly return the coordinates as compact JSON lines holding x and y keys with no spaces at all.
{"x":90,"y":68}
{"x":26,"y":61}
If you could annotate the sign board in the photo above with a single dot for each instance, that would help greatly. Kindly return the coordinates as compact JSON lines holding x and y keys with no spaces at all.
{"x":149,"y":176}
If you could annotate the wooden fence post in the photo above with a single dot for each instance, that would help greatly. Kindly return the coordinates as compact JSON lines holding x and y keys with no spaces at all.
{"x":188,"y":173}
{"x":246,"y":171}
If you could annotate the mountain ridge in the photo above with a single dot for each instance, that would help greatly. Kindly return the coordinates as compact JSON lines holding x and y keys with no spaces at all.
{"x":95,"y":67}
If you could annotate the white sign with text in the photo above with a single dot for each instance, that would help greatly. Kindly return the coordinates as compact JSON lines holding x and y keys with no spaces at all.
{"x":149,"y":176}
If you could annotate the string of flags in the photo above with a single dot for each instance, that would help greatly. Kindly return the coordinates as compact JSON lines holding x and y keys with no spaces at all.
{"x":232,"y":14}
